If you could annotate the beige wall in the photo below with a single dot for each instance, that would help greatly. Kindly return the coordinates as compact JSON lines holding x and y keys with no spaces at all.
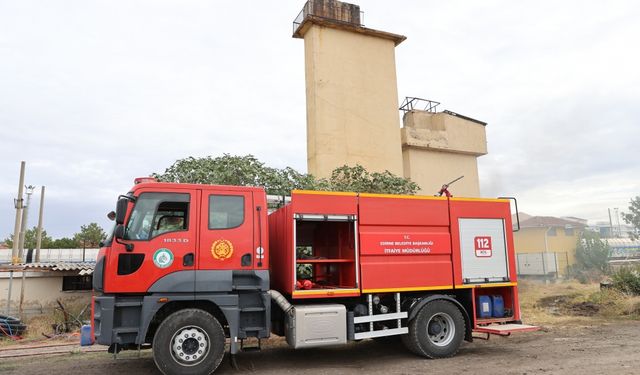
{"x":352,"y":101}
{"x":431,"y":169}
{"x":438,"y":148}
{"x":40,"y":292}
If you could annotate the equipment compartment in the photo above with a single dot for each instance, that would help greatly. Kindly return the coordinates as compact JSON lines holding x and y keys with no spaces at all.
{"x":496,"y":296}
{"x":325,"y":253}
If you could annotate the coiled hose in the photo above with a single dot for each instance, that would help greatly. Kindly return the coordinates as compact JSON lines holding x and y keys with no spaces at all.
{"x":11,"y":327}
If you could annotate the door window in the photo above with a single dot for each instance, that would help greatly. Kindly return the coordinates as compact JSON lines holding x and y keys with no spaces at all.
{"x":158,"y":213}
{"x":226,"y":211}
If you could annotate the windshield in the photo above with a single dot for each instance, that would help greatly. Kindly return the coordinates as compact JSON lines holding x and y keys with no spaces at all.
{"x":157,"y":213}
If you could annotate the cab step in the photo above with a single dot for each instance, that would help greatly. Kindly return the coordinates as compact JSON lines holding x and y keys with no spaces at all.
{"x":252,"y":309}
{"x":256,"y":348}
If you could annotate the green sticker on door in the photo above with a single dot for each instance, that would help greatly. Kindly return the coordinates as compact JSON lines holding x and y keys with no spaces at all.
{"x":163,"y":258}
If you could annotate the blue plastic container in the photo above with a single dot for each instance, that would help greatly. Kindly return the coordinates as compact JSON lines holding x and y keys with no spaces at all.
{"x":498,"y":306}
{"x":85,"y":336}
{"x":484,"y":307}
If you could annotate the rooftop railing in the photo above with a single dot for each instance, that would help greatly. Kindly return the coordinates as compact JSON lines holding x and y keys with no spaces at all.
{"x":410,"y":104}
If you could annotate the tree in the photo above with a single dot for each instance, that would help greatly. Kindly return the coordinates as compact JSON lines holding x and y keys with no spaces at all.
{"x":633,"y":217}
{"x":236,"y":170}
{"x":592,"y":253}
{"x":249,"y":171}
{"x":357,"y":179}
{"x":65,"y":243}
{"x":30,"y":236}
{"x":90,"y":235}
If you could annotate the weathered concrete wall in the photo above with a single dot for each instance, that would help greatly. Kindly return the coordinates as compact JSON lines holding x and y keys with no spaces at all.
{"x":352,"y":101}
{"x":40,"y":292}
{"x":444,"y":132}
{"x":438,"y":148}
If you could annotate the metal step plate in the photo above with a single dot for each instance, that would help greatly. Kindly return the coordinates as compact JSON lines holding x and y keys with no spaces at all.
{"x":506,"y":329}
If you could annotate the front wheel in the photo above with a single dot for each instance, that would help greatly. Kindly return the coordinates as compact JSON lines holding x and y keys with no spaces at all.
{"x":437,"y":331}
{"x":189,"y":341}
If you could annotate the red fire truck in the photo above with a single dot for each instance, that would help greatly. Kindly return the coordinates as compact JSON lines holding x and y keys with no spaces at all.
{"x":189,"y":266}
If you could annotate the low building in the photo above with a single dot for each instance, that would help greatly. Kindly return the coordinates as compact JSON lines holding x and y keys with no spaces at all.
{"x":623,"y":248}
{"x":619,"y":230}
{"x":34,"y":288}
{"x":546,"y":245}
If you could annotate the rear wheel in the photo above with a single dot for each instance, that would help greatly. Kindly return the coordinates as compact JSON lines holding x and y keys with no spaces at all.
{"x":437,"y":331}
{"x":189,"y":341}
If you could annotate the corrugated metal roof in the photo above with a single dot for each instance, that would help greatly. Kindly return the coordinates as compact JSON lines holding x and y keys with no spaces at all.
{"x":83,"y":268}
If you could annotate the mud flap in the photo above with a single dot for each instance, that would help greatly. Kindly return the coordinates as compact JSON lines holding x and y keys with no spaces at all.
{"x":506,"y":329}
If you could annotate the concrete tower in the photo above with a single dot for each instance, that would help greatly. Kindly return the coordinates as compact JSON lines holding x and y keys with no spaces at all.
{"x":352,"y":107}
{"x":351,"y":88}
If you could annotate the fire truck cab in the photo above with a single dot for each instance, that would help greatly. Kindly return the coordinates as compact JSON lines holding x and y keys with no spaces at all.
{"x":189,"y":266}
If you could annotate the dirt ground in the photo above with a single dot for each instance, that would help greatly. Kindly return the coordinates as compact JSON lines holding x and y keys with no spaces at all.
{"x":585,"y":331}
{"x":601,"y":348}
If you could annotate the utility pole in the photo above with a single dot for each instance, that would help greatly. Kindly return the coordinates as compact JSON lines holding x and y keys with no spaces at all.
{"x":618,"y":222}
{"x":39,"y":235}
{"x":23,"y":224}
{"x":16,"y":229}
{"x":610,"y":224}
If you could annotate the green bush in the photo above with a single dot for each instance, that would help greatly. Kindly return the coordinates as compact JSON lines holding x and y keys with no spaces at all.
{"x":627,"y":280}
{"x":592,"y":253}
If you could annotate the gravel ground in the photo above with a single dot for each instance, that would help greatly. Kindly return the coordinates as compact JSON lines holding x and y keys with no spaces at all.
{"x":602,"y":348}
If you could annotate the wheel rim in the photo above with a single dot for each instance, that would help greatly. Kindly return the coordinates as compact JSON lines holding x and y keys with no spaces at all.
{"x":441,"y":329}
{"x":189,"y":345}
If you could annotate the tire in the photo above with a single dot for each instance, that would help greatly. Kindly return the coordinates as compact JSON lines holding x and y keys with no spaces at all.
{"x":437,"y":331}
{"x":189,"y":341}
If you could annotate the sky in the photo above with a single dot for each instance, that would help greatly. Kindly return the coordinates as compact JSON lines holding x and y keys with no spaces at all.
{"x":96,"y":93}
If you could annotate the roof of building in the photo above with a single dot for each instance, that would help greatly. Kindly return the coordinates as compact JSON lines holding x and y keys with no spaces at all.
{"x":622,"y":242}
{"x":82,"y":268}
{"x":548,"y":221}
{"x":522,"y":216}
{"x":573,"y":218}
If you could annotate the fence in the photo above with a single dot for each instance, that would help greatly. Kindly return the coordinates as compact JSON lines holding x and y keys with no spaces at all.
{"x":542,"y":264}
{"x":54,"y":255}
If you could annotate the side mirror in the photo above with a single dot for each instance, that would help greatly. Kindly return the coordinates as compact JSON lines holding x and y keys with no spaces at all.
{"x":121,"y":210}
{"x":111,"y":215}
{"x":118,"y":232}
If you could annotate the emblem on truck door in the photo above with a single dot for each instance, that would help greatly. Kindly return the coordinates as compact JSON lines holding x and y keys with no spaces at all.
{"x":163,"y":258}
{"x":222,"y":249}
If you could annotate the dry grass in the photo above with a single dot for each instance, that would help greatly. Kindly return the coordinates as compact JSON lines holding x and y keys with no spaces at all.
{"x":570,"y":303}
{"x":39,"y":325}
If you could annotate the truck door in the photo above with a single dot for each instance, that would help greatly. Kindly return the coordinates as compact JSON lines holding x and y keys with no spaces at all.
{"x":162,"y":231}
{"x":226,"y":231}
{"x":483,"y":249}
